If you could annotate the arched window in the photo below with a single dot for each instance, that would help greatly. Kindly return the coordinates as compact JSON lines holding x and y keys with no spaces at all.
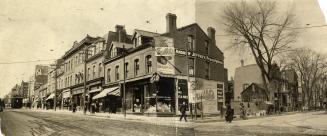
{"x":100,"y":69}
{"x":108,"y":75}
{"x":93,"y":71}
{"x":136,"y":67}
{"x":117,"y":72}
{"x":148,"y":64}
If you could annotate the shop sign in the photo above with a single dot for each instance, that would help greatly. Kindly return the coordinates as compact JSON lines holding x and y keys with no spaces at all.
{"x":220,"y":92}
{"x":164,"y":47}
{"x":205,"y":95}
{"x":164,"y":51}
{"x":207,"y":58}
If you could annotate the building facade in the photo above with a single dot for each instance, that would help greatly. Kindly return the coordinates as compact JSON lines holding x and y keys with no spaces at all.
{"x":164,"y":70}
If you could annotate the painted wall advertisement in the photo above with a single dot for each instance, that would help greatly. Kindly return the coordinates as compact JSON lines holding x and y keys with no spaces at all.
{"x":165,"y":52}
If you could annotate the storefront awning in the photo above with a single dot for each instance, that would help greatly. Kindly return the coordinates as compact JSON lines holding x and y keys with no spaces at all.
{"x":50,"y":96}
{"x":269,"y":103}
{"x":65,"y":94}
{"x":95,"y":90}
{"x":110,"y":91}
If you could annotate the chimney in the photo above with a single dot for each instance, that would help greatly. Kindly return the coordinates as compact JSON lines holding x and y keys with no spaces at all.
{"x":171,"y":22}
{"x":212,"y":34}
{"x":242,"y":62}
{"x":121,"y":32}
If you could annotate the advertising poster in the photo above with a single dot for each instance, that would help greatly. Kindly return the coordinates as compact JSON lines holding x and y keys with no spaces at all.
{"x":165,"y":53}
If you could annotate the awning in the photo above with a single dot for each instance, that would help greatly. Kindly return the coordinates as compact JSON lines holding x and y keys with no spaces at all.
{"x":269,"y":103}
{"x":110,"y":91}
{"x":95,"y":90}
{"x":50,"y":96}
{"x":65,"y":94}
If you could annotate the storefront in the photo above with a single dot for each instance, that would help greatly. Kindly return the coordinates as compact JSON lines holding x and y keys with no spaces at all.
{"x":152,"y":99}
{"x":77,"y":97}
{"x":66,"y":99}
{"x":108,"y":100}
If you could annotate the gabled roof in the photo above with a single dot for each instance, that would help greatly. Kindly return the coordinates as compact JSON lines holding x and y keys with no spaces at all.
{"x":144,"y":33}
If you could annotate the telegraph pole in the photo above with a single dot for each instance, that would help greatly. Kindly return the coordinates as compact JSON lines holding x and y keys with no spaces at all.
{"x":84,"y":92}
{"x":55,"y":91}
{"x":124,"y":74}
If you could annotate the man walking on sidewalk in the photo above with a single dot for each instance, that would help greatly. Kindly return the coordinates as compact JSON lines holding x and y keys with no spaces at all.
{"x":183,"y":109}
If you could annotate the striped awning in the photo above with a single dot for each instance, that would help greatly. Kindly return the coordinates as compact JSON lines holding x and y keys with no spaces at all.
{"x":107,"y":91}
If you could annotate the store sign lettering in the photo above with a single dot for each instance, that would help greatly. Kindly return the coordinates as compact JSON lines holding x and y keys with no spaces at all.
{"x":181,"y":52}
{"x":165,"y":51}
{"x":205,"y":95}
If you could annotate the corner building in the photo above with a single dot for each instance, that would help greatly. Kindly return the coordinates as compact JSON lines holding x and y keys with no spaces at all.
{"x":164,"y":70}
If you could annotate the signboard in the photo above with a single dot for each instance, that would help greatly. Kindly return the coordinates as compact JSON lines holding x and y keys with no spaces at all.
{"x":191,"y":85}
{"x":193,"y":54}
{"x":165,"y":52}
{"x":220,"y":92}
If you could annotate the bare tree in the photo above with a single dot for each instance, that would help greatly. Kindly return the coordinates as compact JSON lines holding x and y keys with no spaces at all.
{"x":311,"y":68}
{"x":259,"y":27}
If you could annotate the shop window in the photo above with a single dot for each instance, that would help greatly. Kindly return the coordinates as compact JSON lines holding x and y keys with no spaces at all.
{"x":108,"y":75}
{"x":148,"y":64}
{"x":190,"y":43}
{"x":191,"y":66}
{"x":117,"y":73}
{"x":136,"y":67}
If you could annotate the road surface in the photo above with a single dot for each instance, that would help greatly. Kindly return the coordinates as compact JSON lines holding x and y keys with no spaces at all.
{"x":32,"y":123}
{"x":29,"y":123}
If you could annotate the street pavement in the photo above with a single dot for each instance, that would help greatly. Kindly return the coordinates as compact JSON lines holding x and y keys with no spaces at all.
{"x":60,"y":123}
{"x":31,"y":123}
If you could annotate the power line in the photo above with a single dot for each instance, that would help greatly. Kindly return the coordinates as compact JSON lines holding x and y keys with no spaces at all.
{"x":31,"y":61}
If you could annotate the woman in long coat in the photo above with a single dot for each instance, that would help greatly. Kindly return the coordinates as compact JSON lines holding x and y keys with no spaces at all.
{"x":229,"y":114}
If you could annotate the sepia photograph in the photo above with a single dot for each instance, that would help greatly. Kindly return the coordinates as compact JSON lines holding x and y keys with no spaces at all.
{"x":163,"y":68}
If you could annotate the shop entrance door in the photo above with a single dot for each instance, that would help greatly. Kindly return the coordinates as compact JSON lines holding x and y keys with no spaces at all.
{"x":138,"y":99}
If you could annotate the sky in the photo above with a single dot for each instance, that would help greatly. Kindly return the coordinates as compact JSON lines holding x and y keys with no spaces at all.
{"x":32,"y":30}
{"x":44,"y":29}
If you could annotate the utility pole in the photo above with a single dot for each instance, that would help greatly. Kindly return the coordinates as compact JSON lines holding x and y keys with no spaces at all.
{"x":124,"y":74}
{"x":55,"y":91}
{"x":84,"y":92}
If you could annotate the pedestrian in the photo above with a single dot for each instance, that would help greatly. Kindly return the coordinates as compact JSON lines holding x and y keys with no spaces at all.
{"x":183,"y":109}
{"x":242,"y":111}
{"x":74,"y":107}
{"x":229,"y":114}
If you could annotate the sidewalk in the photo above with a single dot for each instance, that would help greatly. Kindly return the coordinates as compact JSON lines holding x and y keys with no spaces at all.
{"x":167,"y":121}
{"x":219,"y":119}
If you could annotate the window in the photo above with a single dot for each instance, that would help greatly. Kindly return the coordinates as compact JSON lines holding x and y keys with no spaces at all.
{"x":148,"y":64}
{"x":117,"y":73}
{"x":108,"y":75}
{"x":190,"y":43}
{"x":100,"y":69}
{"x":136,"y":67}
{"x":88,"y":73}
{"x":191,"y":66}
{"x":206,"y":47}
{"x":245,"y":86}
{"x":93,"y":72}
{"x":126,"y":69}
{"x":71,"y":80}
{"x":207,"y":70}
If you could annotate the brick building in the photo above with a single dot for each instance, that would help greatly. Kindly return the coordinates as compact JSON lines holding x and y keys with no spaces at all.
{"x":164,"y":70}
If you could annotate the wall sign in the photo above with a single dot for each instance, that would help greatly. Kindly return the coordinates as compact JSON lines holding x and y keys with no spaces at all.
{"x":182,"y":52}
